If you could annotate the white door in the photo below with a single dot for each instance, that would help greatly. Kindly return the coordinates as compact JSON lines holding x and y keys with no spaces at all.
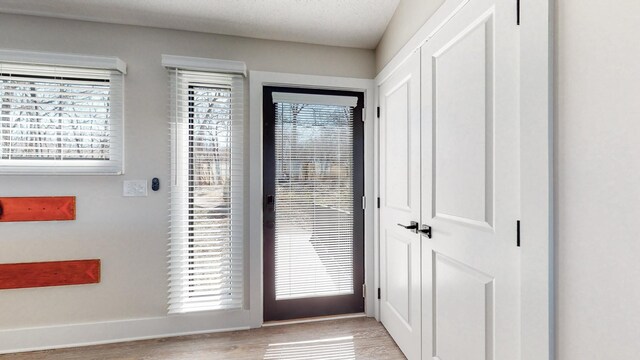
{"x":400,"y":205}
{"x":470,"y":182}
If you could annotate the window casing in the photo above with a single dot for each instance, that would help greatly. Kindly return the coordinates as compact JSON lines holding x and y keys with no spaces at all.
{"x":206,"y":245}
{"x":60,"y":120}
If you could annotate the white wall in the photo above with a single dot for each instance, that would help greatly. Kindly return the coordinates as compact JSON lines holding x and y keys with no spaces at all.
{"x":129,"y":235}
{"x":410,"y":15}
{"x":598,"y":179}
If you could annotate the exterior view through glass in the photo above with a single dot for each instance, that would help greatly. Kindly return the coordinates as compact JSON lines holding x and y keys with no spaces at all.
{"x":314,"y":226}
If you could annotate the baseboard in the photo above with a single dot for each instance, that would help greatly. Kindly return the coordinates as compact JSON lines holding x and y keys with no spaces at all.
{"x":97,"y":333}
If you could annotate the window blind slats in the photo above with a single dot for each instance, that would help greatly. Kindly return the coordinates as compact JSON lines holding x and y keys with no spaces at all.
{"x":56,"y":119}
{"x":206,"y":248}
{"x":314,"y":197}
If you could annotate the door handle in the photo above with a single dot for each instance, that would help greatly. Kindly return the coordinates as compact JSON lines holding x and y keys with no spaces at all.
{"x":425,"y":229}
{"x":413,"y":226}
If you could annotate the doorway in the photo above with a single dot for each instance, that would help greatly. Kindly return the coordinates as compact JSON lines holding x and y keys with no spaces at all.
{"x":313,"y":188}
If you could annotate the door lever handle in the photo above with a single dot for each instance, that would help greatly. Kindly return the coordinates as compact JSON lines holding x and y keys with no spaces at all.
{"x":425,"y":229}
{"x":413,"y":226}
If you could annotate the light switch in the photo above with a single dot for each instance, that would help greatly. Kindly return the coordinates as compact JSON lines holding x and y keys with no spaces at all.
{"x":134,"y":188}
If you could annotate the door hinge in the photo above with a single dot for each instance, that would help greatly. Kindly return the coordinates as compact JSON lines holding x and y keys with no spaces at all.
{"x":379,"y":292}
{"x":378,"y":202}
{"x":518,"y":233}
{"x":378,"y":112}
{"x":364,"y":290}
{"x":364,"y":202}
{"x":517,"y":12}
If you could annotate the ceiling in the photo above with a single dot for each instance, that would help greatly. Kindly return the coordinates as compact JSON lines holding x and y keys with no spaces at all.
{"x":352,"y":23}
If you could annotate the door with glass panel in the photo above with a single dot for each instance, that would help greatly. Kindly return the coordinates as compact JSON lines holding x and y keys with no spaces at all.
{"x":313,"y":197}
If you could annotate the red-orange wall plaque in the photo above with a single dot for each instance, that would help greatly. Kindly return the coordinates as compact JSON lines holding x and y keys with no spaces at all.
{"x":46,"y":208}
{"x":51,"y":273}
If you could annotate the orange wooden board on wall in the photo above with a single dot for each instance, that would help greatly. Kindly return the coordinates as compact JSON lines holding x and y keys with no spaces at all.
{"x":46,"y":208}
{"x":51,"y":273}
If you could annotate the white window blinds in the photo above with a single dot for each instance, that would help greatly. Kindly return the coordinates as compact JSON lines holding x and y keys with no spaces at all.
{"x":206,"y":245}
{"x":314,"y":245}
{"x":56,"y":119}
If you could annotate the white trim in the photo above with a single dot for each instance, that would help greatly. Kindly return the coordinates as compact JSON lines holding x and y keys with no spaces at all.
{"x":536,"y":184}
{"x":376,"y":191}
{"x":61,"y":59}
{"x":258,"y":79}
{"x":61,"y":168}
{"x":107,"y":332}
{"x":314,"y":99}
{"x":536,"y":109}
{"x":204,"y":64}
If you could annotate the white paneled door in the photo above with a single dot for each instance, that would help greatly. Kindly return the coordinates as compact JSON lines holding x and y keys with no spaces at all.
{"x":470,"y":182}
{"x":449,"y":160}
{"x":400,"y":206}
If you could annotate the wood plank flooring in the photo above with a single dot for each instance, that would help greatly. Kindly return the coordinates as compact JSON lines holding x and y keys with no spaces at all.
{"x":346,"y":339}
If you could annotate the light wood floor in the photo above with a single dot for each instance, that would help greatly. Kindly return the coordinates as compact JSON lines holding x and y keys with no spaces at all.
{"x":348,"y":339}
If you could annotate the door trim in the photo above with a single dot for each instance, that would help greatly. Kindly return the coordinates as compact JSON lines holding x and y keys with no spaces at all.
{"x":536,"y":151}
{"x":257,"y":80}
{"x":536,"y":184}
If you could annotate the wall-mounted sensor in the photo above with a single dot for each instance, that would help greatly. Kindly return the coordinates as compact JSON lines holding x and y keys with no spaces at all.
{"x":155,"y":184}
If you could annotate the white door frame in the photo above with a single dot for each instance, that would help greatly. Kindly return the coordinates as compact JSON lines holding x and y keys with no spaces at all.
{"x":257,"y":80}
{"x":537,"y":191}
{"x":536,"y":158}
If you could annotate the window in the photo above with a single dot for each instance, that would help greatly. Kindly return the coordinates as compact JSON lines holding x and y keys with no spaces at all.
{"x":314,"y":189}
{"x":58,"y":119}
{"x":206,"y":245}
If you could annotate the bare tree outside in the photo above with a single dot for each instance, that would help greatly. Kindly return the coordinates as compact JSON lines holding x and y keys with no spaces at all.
{"x":56,"y":119}
{"x":210,"y":214}
{"x":314,"y":200}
